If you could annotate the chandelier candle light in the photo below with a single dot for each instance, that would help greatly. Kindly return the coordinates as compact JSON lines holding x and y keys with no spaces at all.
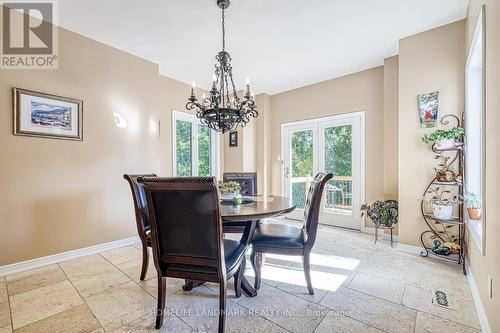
{"x":223,"y":110}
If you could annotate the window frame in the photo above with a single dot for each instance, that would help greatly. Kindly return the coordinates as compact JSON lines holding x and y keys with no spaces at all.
{"x":477,"y":229}
{"x":214,"y":144}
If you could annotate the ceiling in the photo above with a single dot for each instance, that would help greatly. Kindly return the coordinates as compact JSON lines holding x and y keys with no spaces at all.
{"x":279,"y":44}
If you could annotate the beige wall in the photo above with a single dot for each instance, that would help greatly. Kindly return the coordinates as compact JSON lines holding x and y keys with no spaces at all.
{"x":60,"y":195}
{"x":362,"y":91}
{"x":263,"y":144}
{"x":430,"y":61}
{"x":482,"y":266}
{"x":391,"y":99}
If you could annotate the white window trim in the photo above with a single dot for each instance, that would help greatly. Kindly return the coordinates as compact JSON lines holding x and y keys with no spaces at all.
{"x":215,"y":144}
{"x":477,"y":229}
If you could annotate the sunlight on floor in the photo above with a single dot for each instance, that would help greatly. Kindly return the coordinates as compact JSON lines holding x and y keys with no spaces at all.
{"x":321,"y":260}
{"x":323,"y":277}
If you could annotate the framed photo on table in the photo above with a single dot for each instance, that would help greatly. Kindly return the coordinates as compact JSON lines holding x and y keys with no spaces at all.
{"x":47,"y":116}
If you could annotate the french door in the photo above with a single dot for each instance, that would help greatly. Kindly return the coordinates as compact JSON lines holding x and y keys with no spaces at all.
{"x":333,"y":145}
{"x":195,"y":147}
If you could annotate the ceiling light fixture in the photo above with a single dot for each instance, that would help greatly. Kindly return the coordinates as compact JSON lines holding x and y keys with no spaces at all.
{"x":223,"y":110}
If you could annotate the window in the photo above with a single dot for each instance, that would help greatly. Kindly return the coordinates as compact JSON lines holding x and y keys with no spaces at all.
{"x":475,"y":127}
{"x":195,"y":147}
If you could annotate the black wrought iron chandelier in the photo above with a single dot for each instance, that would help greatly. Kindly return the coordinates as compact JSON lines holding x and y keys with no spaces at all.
{"x":223,"y":110}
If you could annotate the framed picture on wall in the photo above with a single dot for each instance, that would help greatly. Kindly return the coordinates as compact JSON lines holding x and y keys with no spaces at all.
{"x":48,"y":116}
{"x":428,"y":107}
{"x":233,"y":139}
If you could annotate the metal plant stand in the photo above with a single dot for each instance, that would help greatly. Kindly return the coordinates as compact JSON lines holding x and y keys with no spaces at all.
{"x":383,"y":228}
{"x":451,"y":230}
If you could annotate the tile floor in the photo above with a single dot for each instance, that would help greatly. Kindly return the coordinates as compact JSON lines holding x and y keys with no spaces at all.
{"x":360,"y":287}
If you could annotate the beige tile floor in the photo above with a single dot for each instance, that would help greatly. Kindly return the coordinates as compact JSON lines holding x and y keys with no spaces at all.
{"x":360,"y":287}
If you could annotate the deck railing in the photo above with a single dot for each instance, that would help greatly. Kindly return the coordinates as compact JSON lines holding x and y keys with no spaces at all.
{"x":338,"y":192}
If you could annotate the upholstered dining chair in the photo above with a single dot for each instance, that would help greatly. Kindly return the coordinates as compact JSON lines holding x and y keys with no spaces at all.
{"x":186,"y":237}
{"x":248,"y":184}
{"x":289,"y":240}
{"x":141,"y":217}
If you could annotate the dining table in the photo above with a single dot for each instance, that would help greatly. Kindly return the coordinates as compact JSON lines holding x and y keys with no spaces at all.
{"x":252,"y":211}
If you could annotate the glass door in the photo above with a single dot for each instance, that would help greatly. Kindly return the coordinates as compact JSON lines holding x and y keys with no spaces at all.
{"x":195,"y":147}
{"x":332,"y":145}
{"x":302,"y":166}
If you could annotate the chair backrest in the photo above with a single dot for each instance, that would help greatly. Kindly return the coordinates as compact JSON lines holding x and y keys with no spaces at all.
{"x":186,"y":226}
{"x":313,"y":205}
{"x":247,"y":181}
{"x":140,"y":204}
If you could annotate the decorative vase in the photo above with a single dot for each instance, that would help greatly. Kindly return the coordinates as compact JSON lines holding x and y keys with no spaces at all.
{"x":446,"y":176}
{"x":474,"y":213}
{"x":445,"y":144}
{"x":228,"y":195}
{"x":442,"y":212}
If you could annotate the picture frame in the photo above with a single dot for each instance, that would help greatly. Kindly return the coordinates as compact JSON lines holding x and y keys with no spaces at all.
{"x":44,"y":115}
{"x":428,"y":109}
{"x":233,"y":139}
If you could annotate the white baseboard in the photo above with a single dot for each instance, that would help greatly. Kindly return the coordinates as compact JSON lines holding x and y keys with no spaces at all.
{"x":59,"y":257}
{"x":411,"y":249}
{"x":481,"y":313}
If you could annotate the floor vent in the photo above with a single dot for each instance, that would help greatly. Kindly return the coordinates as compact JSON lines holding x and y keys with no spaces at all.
{"x":440,"y":298}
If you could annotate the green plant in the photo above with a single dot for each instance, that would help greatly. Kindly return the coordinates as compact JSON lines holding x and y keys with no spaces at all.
{"x":445,"y":164}
{"x":473,"y":200}
{"x":230,"y":187}
{"x":382,"y":212}
{"x":440,"y":134}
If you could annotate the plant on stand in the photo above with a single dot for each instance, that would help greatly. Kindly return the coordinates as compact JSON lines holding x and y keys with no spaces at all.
{"x":384,"y":214}
{"x":444,"y":139}
{"x":445,"y":171}
{"x":473,"y":202}
{"x":442,"y":204}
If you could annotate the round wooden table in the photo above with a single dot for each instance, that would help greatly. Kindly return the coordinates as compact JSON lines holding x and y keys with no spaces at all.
{"x":261,"y":207}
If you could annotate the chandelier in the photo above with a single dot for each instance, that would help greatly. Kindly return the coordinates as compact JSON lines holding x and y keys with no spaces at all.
{"x":223,"y":110}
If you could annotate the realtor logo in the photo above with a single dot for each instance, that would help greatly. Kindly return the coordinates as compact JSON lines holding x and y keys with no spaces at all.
{"x":29,"y":36}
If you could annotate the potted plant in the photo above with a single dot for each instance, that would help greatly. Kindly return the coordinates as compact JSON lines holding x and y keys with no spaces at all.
{"x":442,"y":207}
{"x":445,"y":172}
{"x":444,"y":139}
{"x":229,"y":190}
{"x":473,"y":202}
{"x":382,"y":212}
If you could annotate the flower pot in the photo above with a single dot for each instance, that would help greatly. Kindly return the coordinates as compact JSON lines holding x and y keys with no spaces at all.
{"x":474,"y":213}
{"x":442,"y":212}
{"x":445,"y":144}
{"x":446,"y":176}
{"x":228,"y":195}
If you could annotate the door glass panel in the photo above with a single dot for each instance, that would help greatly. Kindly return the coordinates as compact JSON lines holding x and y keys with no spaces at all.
{"x":184,"y":145}
{"x":338,"y":161}
{"x":204,"y":149}
{"x":302,"y":165}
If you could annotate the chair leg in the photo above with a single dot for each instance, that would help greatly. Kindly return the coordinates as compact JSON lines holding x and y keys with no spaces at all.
{"x":161,"y":301}
{"x":222,"y":306}
{"x":254,"y":257}
{"x":145,"y":260}
{"x":307,"y":272}
{"x":239,"y":277}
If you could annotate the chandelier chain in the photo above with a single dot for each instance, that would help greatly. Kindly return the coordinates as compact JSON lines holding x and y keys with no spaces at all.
{"x":223,"y":31}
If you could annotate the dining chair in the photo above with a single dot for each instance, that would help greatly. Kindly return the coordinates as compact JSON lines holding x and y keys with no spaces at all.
{"x":186,"y":237}
{"x":248,"y":184}
{"x":289,"y":240}
{"x":141,"y":217}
